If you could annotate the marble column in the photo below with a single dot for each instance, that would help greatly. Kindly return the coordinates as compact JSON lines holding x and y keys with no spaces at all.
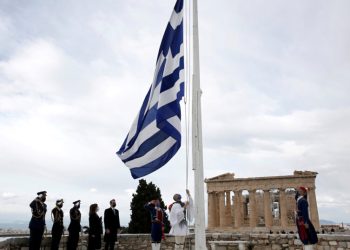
{"x":252,"y":208}
{"x":211,"y":210}
{"x":267,"y":209}
{"x":237,"y":208}
{"x":283,"y":209}
{"x":313,"y":207}
{"x":217,"y":209}
{"x":222,"y":217}
{"x":228,"y":209}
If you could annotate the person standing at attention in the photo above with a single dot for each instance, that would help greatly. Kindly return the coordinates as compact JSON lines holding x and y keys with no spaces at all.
{"x":37,"y":223}
{"x":112,"y":225}
{"x":95,"y":228}
{"x":157,"y":217}
{"x":306,"y":230}
{"x":57,"y":227}
{"x":74,"y":227}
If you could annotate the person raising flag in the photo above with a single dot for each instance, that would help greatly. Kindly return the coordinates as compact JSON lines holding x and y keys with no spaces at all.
{"x":180,"y":214}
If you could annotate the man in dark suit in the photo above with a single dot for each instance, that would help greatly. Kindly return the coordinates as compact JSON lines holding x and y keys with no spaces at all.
{"x":112,"y":224}
{"x":37,"y":223}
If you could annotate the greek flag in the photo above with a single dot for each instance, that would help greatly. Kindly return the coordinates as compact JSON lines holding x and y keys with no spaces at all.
{"x":155,"y":135}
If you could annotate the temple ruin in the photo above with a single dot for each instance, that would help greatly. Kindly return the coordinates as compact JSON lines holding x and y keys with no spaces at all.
{"x":258,"y":204}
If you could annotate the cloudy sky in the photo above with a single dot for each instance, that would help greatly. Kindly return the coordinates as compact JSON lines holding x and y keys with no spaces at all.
{"x":73,"y":74}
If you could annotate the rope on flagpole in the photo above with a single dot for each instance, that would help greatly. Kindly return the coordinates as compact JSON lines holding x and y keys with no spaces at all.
{"x":188,"y":86}
{"x":187,"y":82}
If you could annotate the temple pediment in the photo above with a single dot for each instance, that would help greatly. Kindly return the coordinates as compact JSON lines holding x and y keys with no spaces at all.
{"x":222,"y":177}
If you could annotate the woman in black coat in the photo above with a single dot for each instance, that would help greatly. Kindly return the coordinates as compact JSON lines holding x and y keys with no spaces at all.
{"x":95,"y":228}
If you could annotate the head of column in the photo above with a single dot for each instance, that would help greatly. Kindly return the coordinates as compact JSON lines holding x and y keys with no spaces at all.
{"x":237,"y":192}
{"x":282,"y":190}
{"x":252,"y":191}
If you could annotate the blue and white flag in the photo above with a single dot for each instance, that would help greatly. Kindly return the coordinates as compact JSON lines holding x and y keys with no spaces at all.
{"x":155,"y":135}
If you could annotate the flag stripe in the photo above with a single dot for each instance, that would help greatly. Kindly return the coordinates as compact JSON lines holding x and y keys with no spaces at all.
{"x":147,"y":147}
{"x":154,"y":165}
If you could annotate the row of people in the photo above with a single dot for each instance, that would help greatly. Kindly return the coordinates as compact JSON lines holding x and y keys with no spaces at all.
{"x":37,"y":224}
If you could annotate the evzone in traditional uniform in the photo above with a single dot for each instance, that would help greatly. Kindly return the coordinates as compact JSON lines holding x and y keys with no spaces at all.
{"x":306,"y":230}
{"x":178,"y":213}
{"x":74,"y":227}
{"x":57,"y":227}
{"x":157,"y":219}
{"x":37,"y":223}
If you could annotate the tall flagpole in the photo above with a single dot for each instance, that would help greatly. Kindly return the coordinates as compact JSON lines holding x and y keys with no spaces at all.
{"x":197,"y":146}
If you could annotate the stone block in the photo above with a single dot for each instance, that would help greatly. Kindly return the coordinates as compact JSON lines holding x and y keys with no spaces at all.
{"x":285,"y":246}
{"x":215,"y":236}
{"x":333,"y":243}
{"x":276,"y":247}
{"x":264,"y":236}
{"x":319,"y":247}
{"x":297,"y":242}
{"x":225,"y":236}
{"x":342,"y":244}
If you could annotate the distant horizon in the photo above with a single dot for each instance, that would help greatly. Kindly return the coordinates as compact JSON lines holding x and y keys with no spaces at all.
{"x":22,"y":225}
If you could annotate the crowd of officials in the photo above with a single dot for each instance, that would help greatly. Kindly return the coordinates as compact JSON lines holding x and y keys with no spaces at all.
{"x":179,"y":214}
{"x":37,"y":224}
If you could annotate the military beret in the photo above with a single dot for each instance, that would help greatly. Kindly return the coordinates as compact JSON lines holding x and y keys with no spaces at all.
{"x":75,"y":202}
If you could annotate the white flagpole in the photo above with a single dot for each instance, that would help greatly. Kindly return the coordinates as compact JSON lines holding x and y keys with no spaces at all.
{"x":197,"y":146}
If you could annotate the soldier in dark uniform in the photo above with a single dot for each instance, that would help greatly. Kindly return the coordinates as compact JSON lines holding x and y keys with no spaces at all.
{"x":37,"y":223}
{"x":74,"y":228}
{"x":57,"y":227}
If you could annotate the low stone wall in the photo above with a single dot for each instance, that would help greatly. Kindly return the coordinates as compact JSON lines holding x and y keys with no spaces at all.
{"x":256,"y":242}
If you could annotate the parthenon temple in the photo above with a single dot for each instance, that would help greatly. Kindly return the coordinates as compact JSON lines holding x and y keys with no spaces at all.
{"x":258,"y":204}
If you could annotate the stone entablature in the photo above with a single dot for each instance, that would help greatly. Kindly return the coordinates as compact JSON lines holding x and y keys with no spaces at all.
{"x":270,"y":203}
{"x":228,"y":182}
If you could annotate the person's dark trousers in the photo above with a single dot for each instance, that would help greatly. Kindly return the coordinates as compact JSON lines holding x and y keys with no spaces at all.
{"x":36,"y":235}
{"x":57,"y":231}
{"x":73,"y":239}
{"x":109,"y":245}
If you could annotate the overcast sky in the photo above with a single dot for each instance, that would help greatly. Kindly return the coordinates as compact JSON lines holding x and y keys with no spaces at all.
{"x":275,"y":78}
